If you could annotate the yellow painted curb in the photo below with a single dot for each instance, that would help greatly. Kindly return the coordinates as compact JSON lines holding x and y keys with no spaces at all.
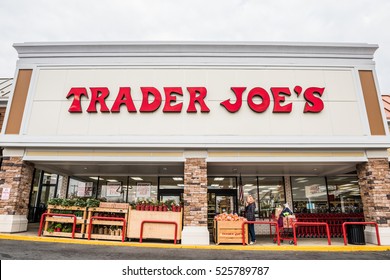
{"x":326,"y":248}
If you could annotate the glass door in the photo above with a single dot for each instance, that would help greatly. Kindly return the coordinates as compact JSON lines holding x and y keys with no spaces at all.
{"x":44,"y":188}
{"x":218,"y":202}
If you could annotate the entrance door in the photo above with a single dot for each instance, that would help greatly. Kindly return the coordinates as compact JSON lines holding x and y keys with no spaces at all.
{"x":47,"y":189}
{"x":220,"y":201}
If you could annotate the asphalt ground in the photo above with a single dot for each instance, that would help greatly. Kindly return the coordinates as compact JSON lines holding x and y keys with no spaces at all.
{"x":20,"y":247}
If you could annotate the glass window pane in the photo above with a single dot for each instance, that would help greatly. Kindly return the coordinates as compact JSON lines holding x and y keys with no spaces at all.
{"x":49,"y":179}
{"x":250,"y":188}
{"x":85,"y":187}
{"x":344,"y":195}
{"x":174,"y":182}
{"x":309,"y":194}
{"x":221,"y":182}
{"x":142,"y":188}
{"x":112,"y":188}
{"x":34,"y":193}
{"x":271,"y":195}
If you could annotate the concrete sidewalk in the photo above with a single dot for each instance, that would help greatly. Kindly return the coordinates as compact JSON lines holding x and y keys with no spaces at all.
{"x":264,"y":243}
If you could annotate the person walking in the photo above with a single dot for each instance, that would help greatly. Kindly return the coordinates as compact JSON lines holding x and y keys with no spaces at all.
{"x":250,"y":207}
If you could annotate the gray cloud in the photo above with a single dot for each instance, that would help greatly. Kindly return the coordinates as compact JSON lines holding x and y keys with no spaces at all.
{"x":176,"y":20}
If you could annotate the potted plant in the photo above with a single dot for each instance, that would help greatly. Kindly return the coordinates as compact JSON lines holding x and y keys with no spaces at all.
{"x":164,"y":207}
{"x":58,"y":227}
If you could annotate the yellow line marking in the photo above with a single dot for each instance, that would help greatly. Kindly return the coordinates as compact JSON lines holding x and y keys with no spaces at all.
{"x":323,"y":248}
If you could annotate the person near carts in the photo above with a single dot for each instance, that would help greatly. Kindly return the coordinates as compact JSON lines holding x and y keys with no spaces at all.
{"x":250,"y":207}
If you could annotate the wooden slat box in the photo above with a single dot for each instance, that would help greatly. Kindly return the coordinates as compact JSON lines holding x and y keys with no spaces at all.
{"x":229,"y":232}
{"x":156,"y":231}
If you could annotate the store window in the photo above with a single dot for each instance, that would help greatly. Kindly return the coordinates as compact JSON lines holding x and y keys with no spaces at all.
{"x":171,"y":188}
{"x":249,"y":185}
{"x":271,"y":195}
{"x":224,"y":183}
{"x":344,"y":195}
{"x":309,"y":194}
{"x":171,"y":183}
{"x":82,"y":188}
{"x":142,"y":188}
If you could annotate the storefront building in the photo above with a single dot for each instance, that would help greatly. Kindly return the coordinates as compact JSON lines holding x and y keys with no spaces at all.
{"x":193,"y":122}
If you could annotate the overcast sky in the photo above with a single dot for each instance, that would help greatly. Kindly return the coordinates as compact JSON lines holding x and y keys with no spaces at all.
{"x":358,"y":21}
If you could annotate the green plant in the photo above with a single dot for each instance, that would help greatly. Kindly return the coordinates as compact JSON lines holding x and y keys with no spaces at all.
{"x":58,"y":226}
{"x":67,"y":202}
{"x":67,"y":228}
{"x":51,"y":229}
{"x":93,"y":202}
{"x":55,"y":201}
{"x":170,"y":203}
{"x":80,"y":202}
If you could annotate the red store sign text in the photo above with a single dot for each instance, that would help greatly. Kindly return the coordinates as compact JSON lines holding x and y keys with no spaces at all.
{"x":258,"y":99}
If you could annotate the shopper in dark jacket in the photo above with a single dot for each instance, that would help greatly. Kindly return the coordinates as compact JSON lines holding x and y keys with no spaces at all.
{"x":250,"y":216}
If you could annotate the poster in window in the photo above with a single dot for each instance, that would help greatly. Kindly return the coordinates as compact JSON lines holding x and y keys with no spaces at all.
{"x":88,"y":189}
{"x":143,"y":190}
{"x":113,"y":189}
{"x":81,"y":189}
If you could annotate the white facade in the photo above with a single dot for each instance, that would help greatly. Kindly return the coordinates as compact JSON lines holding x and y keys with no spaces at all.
{"x":333,"y":139}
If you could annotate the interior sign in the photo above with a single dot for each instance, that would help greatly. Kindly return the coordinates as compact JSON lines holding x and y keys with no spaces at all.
{"x":258,"y":99}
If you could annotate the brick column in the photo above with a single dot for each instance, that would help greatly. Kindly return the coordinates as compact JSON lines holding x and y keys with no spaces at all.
{"x":374,"y":182}
{"x":195,"y":202}
{"x":63,"y":187}
{"x":288,"y":191}
{"x":15,"y":176}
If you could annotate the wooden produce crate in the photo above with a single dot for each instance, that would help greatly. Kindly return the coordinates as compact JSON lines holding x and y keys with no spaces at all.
{"x":99,"y":225}
{"x":229,"y":232}
{"x":50,"y":220}
{"x":154,"y":230}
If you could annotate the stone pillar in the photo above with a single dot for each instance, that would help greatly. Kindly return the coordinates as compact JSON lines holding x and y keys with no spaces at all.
{"x":15,"y":178}
{"x":374,"y":182}
{"x":288,"y":191}
{"x":195,"y":230}
{"x":63,"y":187}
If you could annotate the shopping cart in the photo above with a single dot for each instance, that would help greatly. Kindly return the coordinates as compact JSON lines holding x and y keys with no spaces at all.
{"x":285,"y":231}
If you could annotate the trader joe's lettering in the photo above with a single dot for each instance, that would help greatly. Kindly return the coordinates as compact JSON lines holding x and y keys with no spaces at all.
{"x":258,"y":99}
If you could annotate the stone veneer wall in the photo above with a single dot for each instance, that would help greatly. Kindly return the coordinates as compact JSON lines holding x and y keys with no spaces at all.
{"x":374,"y":182}
{"x":195,"y":192}
{"x":64,"y":187}
{"x":16,"y":175}
{"x":288,"y":191}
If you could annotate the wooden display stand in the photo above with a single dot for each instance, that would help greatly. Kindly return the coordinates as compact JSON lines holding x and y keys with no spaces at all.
{"x":102,"y":227}
{"x":64,"y":220}
{"x":229,"y":232}
{"x":154,"y":230}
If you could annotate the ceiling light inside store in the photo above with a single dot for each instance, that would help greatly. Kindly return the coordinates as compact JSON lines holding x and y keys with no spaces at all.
{"x":180,"y":185}
{"x":111,"y":180}
{"x":94,"y":178}
{"x":248,"y":185}
{"x":215,"y":185}
{"x":177,"y":178}
{"x":137,"y":178}
{"x":219,"y":179}
{"x":261,"y":178}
